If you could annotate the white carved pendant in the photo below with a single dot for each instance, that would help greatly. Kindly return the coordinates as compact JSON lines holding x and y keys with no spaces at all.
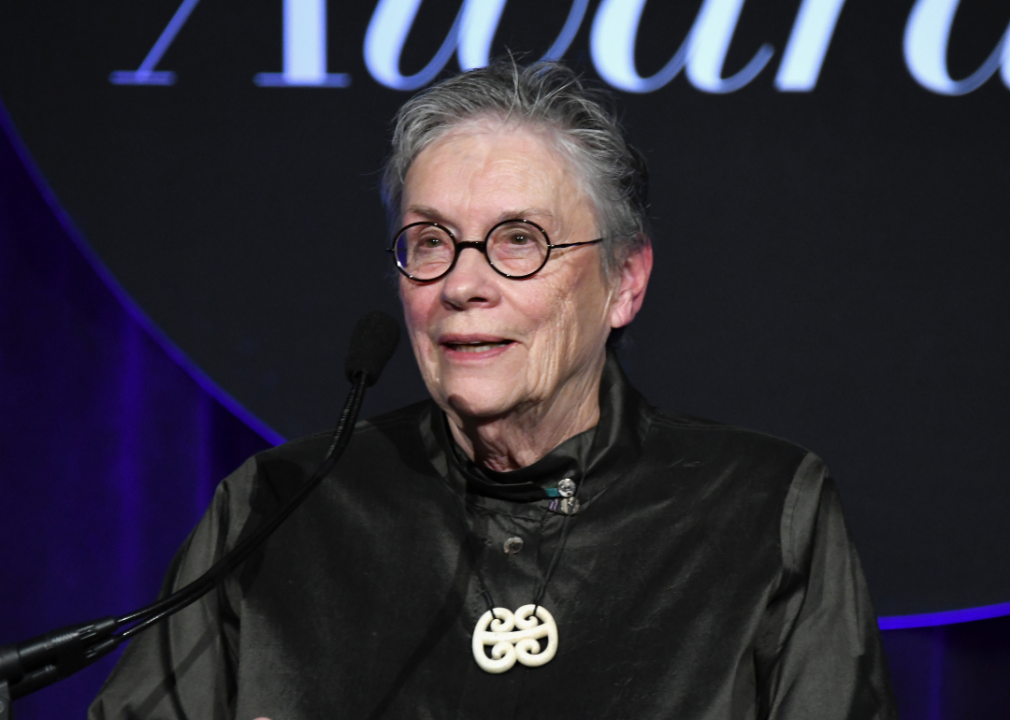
{"x":514,"y":637}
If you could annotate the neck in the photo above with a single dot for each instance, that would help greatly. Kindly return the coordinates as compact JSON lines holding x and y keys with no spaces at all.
{"x":527,"y":434}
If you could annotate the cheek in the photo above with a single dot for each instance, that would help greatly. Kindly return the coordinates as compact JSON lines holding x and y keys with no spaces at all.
{"x":417,"y":313}
{"x":409,"y":301}
{"x":568,"y":323}
{"x":416,"y":301}
{"x":582,"y":306}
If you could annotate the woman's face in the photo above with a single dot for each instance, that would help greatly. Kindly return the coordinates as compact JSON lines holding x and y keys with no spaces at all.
{"x":489,"y":346}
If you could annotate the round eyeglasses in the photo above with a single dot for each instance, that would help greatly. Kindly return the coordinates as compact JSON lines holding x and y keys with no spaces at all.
{"x":517,"y":249}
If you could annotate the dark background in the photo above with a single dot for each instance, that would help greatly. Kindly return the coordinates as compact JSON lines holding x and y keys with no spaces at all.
{"x":830,"y":264}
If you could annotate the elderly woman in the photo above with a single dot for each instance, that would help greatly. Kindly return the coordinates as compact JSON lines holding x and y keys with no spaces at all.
{"x":535,"y":540}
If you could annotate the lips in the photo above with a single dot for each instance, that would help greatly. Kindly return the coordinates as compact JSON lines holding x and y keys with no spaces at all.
{"x":473,"y":344}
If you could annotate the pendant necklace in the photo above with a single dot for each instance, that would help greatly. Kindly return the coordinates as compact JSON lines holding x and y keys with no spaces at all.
{"x":516,"y":636}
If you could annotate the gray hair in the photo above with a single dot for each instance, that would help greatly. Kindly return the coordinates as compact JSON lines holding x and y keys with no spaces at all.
{"x":545,"y":94}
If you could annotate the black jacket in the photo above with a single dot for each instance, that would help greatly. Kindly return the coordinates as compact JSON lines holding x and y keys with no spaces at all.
{"x":706,"y":574}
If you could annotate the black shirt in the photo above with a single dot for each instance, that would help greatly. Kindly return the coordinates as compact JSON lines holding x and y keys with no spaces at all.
{"x":706,"y":574}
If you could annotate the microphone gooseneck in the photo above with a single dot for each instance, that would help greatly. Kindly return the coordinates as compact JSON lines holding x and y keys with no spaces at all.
{"x":31,"y":665}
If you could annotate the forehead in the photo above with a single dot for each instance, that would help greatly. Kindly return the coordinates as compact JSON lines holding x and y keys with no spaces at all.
{"x":488,"y":167}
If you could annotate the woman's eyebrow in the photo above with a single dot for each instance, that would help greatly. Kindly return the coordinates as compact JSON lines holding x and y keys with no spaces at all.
{"x":427,"y":212}
{"x":434,"y":215}
{"x":525,"y":214}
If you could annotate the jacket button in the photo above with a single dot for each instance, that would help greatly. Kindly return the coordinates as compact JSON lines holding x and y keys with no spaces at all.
{"x":513,"y":545}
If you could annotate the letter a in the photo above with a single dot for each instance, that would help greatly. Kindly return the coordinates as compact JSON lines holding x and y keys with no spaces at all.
{"x":703,"y":52}
{"x":146,"y":74}
{"x":927,"y":35}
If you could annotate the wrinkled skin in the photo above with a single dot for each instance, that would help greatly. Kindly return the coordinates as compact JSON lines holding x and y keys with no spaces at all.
{"x":515,"y":364}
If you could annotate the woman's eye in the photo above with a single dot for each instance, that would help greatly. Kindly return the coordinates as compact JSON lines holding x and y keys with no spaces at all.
{"x":432,"y":241}
{"x":519,"y":239}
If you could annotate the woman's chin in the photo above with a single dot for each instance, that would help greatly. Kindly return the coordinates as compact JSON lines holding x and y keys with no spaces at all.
{"x":485,"y":400}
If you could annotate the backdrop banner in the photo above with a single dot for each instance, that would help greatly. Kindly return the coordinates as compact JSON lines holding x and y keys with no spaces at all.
{"x":830,"y":185}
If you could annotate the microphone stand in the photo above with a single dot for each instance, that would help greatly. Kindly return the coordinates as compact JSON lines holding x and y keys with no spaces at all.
{"x":34,"y":664}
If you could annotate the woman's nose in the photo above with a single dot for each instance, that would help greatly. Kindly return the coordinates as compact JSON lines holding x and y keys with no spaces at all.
{"x":471,"y":281}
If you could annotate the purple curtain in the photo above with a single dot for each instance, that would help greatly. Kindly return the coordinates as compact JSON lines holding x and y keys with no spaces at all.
{"x":110,"y":449}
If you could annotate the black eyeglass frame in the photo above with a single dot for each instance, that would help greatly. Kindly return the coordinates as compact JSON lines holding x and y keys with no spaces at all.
{"x":479,"y":245}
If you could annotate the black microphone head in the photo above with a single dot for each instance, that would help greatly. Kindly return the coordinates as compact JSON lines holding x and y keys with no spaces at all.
{"x":372,"y":344}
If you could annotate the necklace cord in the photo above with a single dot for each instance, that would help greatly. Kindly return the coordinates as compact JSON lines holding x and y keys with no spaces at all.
{"x":541,"y":587}
{"x":539,"y":595}
{"x":485,"y":593}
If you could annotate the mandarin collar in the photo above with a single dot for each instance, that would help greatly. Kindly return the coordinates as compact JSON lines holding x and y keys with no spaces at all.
{"x":592,"y":459}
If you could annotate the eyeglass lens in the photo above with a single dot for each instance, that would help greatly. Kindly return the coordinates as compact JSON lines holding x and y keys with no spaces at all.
{"x":514,"y":248}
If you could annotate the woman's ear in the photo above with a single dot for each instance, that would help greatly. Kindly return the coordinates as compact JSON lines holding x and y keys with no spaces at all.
{"x":635,"y":272}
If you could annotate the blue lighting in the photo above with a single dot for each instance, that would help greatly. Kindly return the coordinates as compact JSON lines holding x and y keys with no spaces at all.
{"x":949,"y":617}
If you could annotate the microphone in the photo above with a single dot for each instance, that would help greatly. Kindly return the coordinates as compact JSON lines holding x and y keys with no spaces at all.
{"x":372,"y":345}
{"x":32,"y":665}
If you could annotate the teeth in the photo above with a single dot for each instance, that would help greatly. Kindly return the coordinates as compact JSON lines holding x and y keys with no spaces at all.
{"x":477,"y":347}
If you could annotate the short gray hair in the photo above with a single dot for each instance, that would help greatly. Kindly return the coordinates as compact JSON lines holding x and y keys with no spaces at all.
{"x":549,"y":95}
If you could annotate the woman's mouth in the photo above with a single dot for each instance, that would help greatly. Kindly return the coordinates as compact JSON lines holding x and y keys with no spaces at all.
{"x":477,"y":347}
{"x":474,"y":345}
